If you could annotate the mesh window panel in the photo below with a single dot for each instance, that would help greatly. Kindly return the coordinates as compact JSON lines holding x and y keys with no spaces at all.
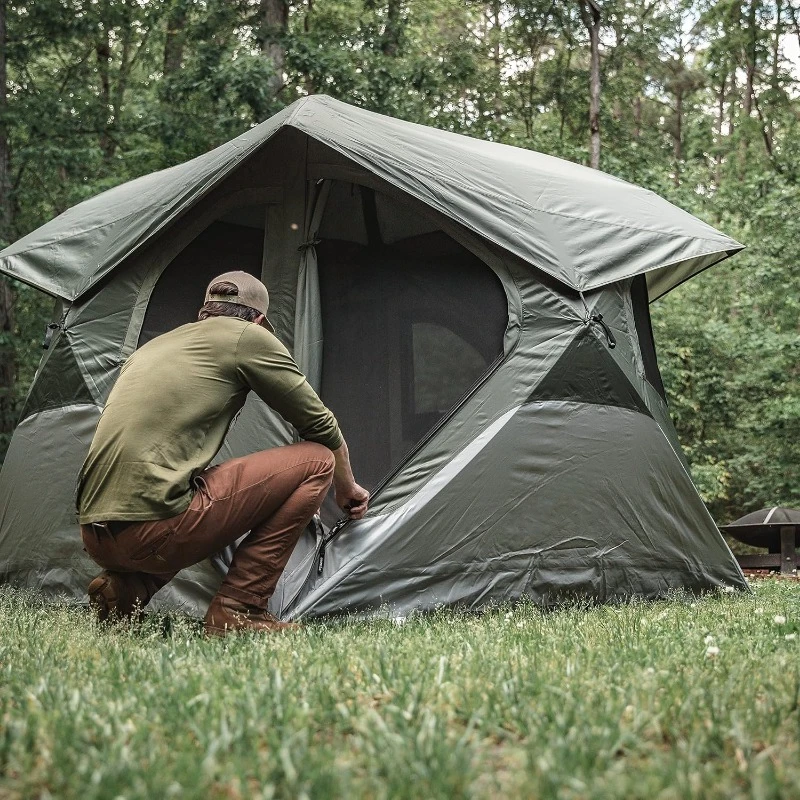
{"x":408,"y":329}
{"x":644,"y":330}
{"x":59,"y":382}
{"x":179,"y":293}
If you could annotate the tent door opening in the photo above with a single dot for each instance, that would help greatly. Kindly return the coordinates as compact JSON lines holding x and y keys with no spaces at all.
{"x":411,"y":320}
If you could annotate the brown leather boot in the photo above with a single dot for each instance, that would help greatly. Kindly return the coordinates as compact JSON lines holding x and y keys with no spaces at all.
{"x":225,"y":616}
{"x":120,"y":596}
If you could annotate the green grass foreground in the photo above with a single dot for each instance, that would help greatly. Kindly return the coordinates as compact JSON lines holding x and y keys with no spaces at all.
{"x":678,"y":699}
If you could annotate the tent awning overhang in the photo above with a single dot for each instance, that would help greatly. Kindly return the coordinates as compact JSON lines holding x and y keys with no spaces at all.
{"x":583,"y":227}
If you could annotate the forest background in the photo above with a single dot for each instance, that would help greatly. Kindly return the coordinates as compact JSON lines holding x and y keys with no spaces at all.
{"x":697,"y":100}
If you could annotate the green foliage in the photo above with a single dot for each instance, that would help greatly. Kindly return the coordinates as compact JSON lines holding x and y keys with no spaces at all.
{"x":685,"y":698}
{"x":699,"y":103}
{"x":733,"y":355}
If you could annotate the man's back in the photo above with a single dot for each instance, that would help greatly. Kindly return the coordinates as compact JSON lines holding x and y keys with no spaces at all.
{"x":170,"y":409}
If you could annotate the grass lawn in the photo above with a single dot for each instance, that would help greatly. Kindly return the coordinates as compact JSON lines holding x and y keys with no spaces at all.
{"x":679,"y":699}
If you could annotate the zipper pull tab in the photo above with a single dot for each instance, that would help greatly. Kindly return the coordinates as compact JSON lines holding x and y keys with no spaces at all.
{"x":321,"y":559}
{"x":49,"y":332}
{"x":326,"y":539}
{"x":598,"y":318}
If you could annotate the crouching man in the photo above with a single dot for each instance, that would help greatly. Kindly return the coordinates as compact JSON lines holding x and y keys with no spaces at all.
{"x":147,"y":502}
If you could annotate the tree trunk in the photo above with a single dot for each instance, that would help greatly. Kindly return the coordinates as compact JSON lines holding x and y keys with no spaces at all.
{"x":677,"y":135}
{"x":103,"y":53}
{"x":776,"y":63}
{"x":750,"y":71}
{"x":7,"y":410}
{"x":497,"y":58}
{"x":308,"y":81}
{"x":638,"y":103}
{"x":5,"y":158}
{"x":720,"y":122}
{"x":274,"y":23}
{"x":750,"y":58}
{"x":174,"y":42}
{"x":126,"y":62}
{"x":390,"y":42}
{"x":590,"y":15}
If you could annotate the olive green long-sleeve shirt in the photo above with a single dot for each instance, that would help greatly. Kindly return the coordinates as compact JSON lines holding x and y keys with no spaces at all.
{"x":169,"y":411}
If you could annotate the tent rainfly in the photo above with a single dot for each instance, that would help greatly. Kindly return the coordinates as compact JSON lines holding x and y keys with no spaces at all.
{"x":476,"y":315}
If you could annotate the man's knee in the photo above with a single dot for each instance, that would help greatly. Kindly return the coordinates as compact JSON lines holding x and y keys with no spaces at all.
{"x":325,"y":456}
{"x":319,"y":455}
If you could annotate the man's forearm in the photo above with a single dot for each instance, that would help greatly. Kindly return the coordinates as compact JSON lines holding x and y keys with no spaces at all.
{"x":350,"y":496}
{"x":342,"y":471}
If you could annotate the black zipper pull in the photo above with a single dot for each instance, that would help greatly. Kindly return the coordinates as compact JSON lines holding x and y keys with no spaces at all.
{"x":326,"y":539}
{"x":49,"y":332}
{"x":598,"y":318}
{"x":321,"y":561}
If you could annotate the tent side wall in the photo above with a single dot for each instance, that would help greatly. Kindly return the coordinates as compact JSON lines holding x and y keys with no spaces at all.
{"x":553,"y":480}
{"x":548,"y":318}
{"x":539,"y":509}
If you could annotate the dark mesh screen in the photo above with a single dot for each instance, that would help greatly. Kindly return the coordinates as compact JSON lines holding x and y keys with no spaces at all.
{"x":408,"y":329}
{"x":644,"y":330}
{"x":180,"y":290}
{"x":587,"y":373}
{"x":59,"y":383}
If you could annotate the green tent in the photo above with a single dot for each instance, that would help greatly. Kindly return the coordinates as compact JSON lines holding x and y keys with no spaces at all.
{"x":476,"y":315}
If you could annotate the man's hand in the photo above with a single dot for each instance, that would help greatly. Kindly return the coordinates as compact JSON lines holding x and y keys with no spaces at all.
{"x":353,"y":499}
{"x":350,"y":497}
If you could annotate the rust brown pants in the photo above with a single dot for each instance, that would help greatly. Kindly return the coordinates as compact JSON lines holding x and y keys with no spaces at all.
{"x":273,"y":494}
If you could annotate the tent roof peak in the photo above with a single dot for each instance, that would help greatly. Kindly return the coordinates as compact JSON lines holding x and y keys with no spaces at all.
{"x":581,"y":226}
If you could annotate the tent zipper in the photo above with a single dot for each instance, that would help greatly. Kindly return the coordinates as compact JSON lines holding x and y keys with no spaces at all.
{"x":52,"y":327}
{"x":49,"y":332}
{"x":343,"y":522}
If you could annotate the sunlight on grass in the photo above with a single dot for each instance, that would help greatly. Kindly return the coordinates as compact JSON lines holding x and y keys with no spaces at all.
{"x":686,"y":698}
